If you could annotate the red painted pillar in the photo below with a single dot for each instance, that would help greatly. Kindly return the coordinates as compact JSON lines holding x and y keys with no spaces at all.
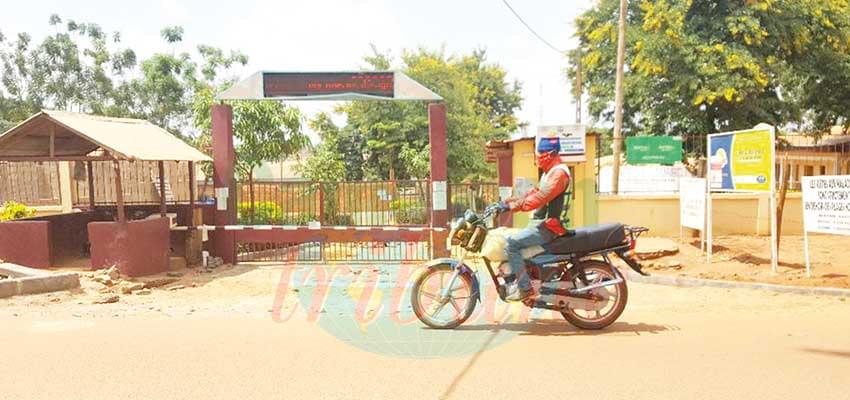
{"x":224,"y":159}
{"x":504,"y":165}
{"x":439,"y":177}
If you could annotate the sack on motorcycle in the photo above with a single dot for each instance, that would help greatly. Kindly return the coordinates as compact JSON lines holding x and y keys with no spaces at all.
{"x":494,"y":245}
{"x":588,"y":239}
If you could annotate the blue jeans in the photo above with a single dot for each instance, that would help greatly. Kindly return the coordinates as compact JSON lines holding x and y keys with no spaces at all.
{"x":528,"y":237}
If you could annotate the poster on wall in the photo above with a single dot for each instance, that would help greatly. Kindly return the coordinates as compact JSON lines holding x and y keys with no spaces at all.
{"x":741,"y":161}
{"x":572,"y":137}
{"x":826,"y":204}
{"x":692,"y":203}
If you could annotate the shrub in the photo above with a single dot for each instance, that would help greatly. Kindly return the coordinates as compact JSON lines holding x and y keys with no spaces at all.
{"x":12,"y":211}
{"x":409,"y":211}
{"x":265,"y":213}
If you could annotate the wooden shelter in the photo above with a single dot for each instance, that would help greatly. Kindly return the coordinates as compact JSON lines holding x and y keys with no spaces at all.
{"x":66,"y":136}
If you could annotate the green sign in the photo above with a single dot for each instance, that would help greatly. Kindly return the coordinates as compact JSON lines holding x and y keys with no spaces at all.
{"x":653,"y":150}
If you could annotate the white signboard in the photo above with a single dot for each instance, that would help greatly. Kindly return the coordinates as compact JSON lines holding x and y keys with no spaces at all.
{"x":572,"y":137}
{"x":644,"y":179}
{"x":221,"y":195}
{"x":826,"y":204}
{"x":440,"y":201}
{"x":692,"y":202}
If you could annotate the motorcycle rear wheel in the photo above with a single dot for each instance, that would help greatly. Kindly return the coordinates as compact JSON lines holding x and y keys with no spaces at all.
{"x":423,"y":297}
{"x":598,"y":271}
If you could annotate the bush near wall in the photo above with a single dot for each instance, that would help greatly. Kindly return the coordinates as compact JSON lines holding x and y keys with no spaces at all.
{"x":12,"y":211}
{"x":409,"y":211}
{"x":269,"y":213}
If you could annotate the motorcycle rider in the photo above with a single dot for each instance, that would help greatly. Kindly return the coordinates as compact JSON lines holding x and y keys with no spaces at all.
{"x":548,"y":201}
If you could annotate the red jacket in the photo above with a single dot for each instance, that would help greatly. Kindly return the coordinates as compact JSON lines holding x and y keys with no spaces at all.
{"x":555,"y":182}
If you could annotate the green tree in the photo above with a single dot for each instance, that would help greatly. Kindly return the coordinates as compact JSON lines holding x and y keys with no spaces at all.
{"x":71,"y":70}
{"x":696,"y":67}
{"x":339,"y":154}
{"x":170,"y":83}
{"x":82,"y":68}
{"x":263,"y":131}
{"x":390,"y":139}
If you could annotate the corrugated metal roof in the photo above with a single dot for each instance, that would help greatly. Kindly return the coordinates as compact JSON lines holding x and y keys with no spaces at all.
{"x":78,"y":135}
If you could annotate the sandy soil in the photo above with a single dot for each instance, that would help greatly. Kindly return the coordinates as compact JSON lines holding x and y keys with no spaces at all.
{"x":216,"y":340}
{"x":747,"y":258}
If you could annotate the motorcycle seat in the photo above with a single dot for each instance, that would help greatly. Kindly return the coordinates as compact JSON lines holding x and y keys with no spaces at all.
{"x":588,"y":239}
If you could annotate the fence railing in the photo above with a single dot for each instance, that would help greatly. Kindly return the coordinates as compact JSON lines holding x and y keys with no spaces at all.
{"x":361,"y":203}
{"x":471,"y":196}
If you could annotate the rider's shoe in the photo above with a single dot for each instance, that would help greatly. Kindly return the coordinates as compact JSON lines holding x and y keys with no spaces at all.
{"x":514,"y":293}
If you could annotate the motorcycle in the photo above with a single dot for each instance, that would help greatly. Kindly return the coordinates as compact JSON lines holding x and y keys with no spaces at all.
{"x":572,"y":274}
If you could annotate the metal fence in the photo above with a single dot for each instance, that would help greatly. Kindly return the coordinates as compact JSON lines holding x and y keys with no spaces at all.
{"x":473,"y":196}
{"x":368,"y":203}
{"x":362,"y":203}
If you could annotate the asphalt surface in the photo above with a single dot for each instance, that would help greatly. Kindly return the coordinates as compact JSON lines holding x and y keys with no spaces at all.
{"x":671,"y":343}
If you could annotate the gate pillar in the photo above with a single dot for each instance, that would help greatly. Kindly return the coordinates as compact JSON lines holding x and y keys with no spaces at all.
{"x":224,"y":158}
{"x":439,"y":179}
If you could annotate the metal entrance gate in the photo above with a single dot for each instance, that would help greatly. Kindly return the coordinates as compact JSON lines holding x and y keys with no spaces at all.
{"x":364,"y":221}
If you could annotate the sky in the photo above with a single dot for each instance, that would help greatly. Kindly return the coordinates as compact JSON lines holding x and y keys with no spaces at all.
{"x":321,"y":35}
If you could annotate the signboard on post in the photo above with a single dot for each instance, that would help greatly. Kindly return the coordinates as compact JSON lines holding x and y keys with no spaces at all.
{"x":646,"y":179}
{"x":665,"y":150}
{"x":692,"y":203}
{"x":826,"y":204}
{"x":572,"y":137}
{"x":743,"y":161}
{"x":826,"y":208}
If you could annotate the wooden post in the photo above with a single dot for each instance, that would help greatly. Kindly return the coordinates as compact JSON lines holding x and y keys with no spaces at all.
{"x":119,"y":192}
{"x":191,"y":194}
{"x":90,"y":171}
{"x":163,"y":210}
{"x":52,"y":151}
{"x":784,"y":174}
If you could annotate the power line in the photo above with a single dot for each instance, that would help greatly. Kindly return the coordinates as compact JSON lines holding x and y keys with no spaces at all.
{"x":546,"y":42}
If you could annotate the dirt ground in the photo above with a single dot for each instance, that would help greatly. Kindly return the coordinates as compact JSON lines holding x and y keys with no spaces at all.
{"x":211,"y":335}
{"x":747,"y":258}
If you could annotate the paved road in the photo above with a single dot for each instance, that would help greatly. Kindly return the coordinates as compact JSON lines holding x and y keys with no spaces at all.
{"x":671,"y":343}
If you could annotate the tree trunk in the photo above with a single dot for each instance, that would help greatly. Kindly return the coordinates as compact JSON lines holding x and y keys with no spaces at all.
{"x":618,"y":98}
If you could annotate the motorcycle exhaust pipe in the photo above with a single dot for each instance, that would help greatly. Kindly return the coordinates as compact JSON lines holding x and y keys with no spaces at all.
{"x":596,"y":286}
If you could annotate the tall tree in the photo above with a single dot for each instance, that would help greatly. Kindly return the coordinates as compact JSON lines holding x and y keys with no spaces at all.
{"x":263,"y":130}
{"x":72,"y":69}
{"x":82,"y":68}
{"x":390,"y":139}
{"x":696,"y":67}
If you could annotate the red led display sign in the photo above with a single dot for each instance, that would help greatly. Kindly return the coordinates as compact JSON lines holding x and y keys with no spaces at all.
{"x":294,"y":84}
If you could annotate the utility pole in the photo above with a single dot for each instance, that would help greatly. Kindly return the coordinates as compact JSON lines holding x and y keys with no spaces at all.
{"x":618,"y":97}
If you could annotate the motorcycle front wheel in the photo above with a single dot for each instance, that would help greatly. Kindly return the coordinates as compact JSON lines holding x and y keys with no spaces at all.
{"x":440,"y":312}
{"x":610,"y":300}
